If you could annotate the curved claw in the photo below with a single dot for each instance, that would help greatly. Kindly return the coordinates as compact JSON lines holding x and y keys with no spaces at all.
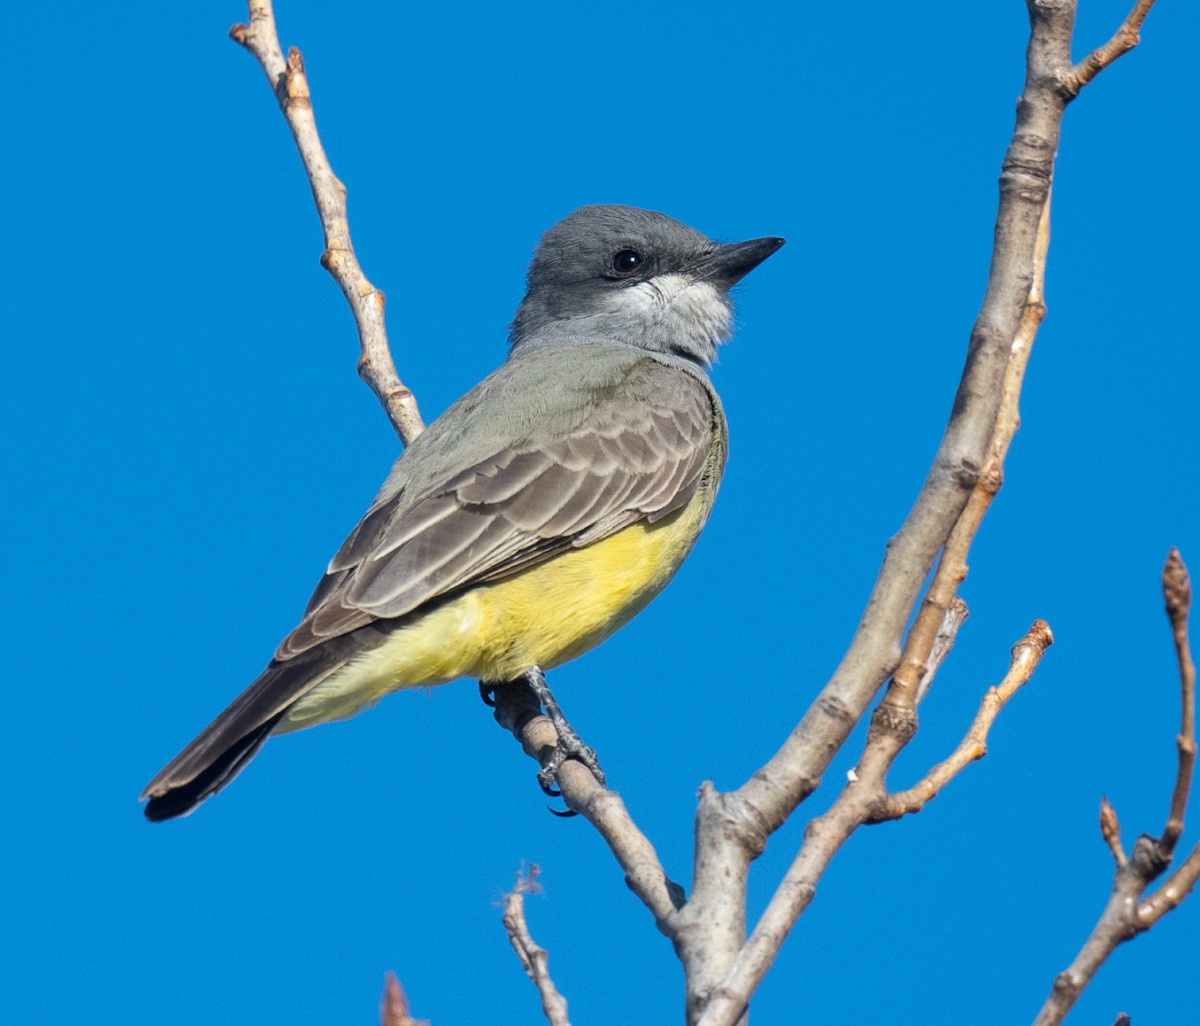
{"x":564,"y":814}
{"x":533,"y":696}
{"x":570,"y":744}
{"x":549,"y":770}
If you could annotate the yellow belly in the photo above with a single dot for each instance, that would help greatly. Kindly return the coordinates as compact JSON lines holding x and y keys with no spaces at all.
{"x":542,"y":616}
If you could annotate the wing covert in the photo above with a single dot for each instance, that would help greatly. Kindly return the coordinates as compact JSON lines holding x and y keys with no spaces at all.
{"x":636,"y":455}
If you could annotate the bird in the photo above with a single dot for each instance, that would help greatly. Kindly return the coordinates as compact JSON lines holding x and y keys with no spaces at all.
{"x":538,"y":514}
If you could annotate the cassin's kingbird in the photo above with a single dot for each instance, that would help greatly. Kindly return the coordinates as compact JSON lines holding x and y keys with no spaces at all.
{"x":538,"y":514}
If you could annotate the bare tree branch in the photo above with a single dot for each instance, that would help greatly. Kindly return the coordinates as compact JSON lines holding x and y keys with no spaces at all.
{"x":393,"y":1008}
{"x":863,"y":800}
{"x":874,"y":652}
{"x":517,"y":710}
{"x":290,"y":84}
{"x":1026,"y":655}
{"x":1126,"y":914}
{"x":957,"y":492}
{"x":1177,"y":592}
{"x":765,"y":801}
{"x":1117,"y":923}
{"x":906,"y":687}
{"x":1123,"y":40}
{"x":534,"y":959}
{"x":1172,"y":892}
{"x":731,"y":829}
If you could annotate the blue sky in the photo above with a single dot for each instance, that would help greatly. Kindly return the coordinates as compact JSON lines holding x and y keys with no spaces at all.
{"x":186,"y":443}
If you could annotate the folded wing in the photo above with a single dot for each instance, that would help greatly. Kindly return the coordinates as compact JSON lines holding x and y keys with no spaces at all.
{"x":523,"y":504}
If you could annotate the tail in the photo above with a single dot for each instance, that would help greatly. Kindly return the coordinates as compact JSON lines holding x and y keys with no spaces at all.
{"x":169,"y":799}
{"x":222,"y":750}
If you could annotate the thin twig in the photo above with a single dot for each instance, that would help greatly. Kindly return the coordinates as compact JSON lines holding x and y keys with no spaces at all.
{"x":1110,"y":830}
{"x":290,"y":84}
{"x":1124,"y":39}
{"x":1127,"y":913}
{"x":393,"y":1008}
{"x":533,"y":958}
{"x":1026,"y":655}
{"x":1177,"y":592}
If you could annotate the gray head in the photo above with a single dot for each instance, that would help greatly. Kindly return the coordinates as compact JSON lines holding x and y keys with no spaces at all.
{"x":634,"y":276}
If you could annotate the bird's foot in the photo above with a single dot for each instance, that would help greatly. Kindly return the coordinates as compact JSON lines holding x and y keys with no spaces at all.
{"x":569,"y":746}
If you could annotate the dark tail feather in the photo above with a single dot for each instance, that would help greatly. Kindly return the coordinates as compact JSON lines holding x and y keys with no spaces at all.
{"x":220,"y":751}
{"x":180,"y":800}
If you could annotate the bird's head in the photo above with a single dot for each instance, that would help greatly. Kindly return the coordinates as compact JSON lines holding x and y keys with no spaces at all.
{"x":633,"y":276}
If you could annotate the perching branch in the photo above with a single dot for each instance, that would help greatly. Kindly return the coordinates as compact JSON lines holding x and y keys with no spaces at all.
{"x":290,"y":84}
{"x":1127,"y":913}
{"x":517,"y":711}
{"x":534,"y":959}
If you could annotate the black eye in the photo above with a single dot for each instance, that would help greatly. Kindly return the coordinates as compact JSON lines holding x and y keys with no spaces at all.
{"x":627,"y":261}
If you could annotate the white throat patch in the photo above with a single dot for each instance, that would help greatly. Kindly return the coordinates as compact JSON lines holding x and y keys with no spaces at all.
{"x":678,"y":311}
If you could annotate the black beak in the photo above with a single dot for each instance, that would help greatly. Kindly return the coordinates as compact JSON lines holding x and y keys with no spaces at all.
{"x":728,"y":264}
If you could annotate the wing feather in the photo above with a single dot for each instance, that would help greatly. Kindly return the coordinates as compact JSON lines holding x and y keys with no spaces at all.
{"x":636,"y":456}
